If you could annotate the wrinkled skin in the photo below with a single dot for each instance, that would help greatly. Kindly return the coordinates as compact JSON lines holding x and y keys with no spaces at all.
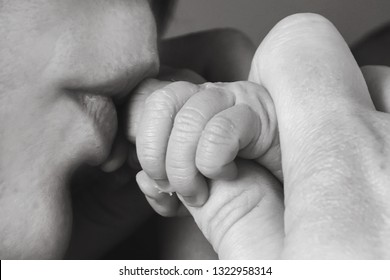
{"x":334,"y":152}
{"x":61,"y":70}
{"x":61,"y":66}
{"x":107,"y":203}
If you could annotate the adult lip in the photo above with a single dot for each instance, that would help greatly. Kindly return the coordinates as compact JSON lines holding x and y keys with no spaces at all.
{"x":101,"y":110}
{"x":101,"y":106}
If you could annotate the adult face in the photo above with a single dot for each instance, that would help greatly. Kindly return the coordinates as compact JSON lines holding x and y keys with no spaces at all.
{"x":63,"y":66}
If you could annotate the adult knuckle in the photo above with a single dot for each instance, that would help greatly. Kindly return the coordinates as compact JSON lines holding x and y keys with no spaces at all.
{"x":303,"y":19}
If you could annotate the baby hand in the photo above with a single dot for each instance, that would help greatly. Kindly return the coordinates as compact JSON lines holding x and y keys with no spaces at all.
{"x":188,"y":132}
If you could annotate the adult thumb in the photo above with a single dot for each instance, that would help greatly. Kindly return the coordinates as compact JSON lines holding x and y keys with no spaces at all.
{"x":321,"y":100}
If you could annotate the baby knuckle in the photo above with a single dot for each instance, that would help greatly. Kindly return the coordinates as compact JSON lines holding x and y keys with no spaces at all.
{"x":168,"y":95}
{"x":208,"y":167}
{"x":150,"y":155}
{"x":189,"y":120}
{"x":179,"y":172}
{"x":161,"y":100}
{"x":150,"y":158}
{"x":182,"y":85}
{"x":176,"y":90}
{"x":219,"y":131}
{"x":179,"y":177}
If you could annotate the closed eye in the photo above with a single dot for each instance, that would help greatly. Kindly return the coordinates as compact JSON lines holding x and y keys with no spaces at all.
{"x":117,"y":87}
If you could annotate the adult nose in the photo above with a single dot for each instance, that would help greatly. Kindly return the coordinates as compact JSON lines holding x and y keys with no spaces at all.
{"x":107,"y":51}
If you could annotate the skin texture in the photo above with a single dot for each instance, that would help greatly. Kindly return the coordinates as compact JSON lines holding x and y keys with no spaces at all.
{"x":334,"y":151}
{"x":336,"y":165}
{"x":102,"y":201}
{"x":181,"y":231}
{"x":206,"y":134}
{"x":181,"y":238}
{"x":61,"y":68}
{"x":62,"y":71}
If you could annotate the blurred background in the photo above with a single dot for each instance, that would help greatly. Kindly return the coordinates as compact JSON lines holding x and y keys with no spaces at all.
{"x":353,"y":18}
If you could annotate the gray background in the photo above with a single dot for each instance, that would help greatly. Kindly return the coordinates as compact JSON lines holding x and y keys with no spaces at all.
{"x":353,"y":18}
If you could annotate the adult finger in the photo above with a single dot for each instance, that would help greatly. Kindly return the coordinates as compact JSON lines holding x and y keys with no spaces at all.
{"x":156,"y":124}
{"x":378,"y":82}
{"x":322,"y":102}
{"x":189,"y":123}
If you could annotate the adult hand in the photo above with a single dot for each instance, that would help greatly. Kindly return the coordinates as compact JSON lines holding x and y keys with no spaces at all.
{"x":335,"y":155}
{"x":334,"y":144}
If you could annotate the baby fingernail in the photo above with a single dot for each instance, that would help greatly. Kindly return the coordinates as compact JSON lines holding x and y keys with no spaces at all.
{"x":193,"y":201}
{"x":164,"y":186}
{"x":142,"y":178}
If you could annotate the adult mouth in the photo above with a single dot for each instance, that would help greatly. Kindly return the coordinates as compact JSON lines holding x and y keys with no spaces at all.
{"x":102,"y":112}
